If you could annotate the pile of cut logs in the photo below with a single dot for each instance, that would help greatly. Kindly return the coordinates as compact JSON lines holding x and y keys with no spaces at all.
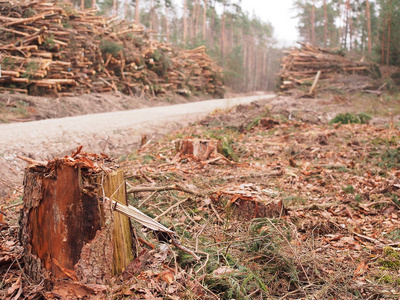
{"x":47,"y":46}
{"x":301,"y":65}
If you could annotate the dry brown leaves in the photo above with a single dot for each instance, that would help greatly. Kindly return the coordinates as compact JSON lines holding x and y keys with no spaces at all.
{"x":340,"y":194}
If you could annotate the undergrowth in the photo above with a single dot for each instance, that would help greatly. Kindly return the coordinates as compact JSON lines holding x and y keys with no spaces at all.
{"x":390,"y":158}
{"x":348,"y":118}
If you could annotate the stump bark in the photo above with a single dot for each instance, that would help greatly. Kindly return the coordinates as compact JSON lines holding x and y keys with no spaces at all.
{"x":68,"y":227}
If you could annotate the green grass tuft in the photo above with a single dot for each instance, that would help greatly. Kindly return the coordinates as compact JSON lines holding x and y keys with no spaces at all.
{"x":348,"y":118}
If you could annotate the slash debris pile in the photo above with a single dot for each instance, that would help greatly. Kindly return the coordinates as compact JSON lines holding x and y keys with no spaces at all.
{"x":48,"y":46}
{"x":301,"y":65}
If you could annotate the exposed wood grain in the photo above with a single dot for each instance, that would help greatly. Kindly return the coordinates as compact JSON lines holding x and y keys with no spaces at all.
{"x":68,"y":228}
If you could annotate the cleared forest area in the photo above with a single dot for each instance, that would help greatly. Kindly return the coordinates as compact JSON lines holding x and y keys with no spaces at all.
{"x":296,"y":197}
{"x":273,"y":204}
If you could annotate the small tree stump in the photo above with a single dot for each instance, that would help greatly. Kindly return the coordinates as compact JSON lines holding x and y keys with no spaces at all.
{"x":68,"y":228}
{"x":199,"y":149}
{"x":247,"y":202}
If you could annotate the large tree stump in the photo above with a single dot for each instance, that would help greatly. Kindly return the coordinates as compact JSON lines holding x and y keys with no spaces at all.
{"x":68,"y":228}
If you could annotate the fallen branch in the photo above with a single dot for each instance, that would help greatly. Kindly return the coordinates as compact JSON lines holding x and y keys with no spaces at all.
{"x":205,"y":263}
{"x":14,"y":205}
{"x":31,"y":161}
{"x":176,"y":243}
{"x":171,"y":208}
{"x":375,"y":241}
{"x":271,"y":174}
{"x":147,"y":178}
{"x":148,"y":244}
{"x":175,"y":186}
{"x":216,"y":213}
{"x":296,"y":291}
{"x":373,"y":92}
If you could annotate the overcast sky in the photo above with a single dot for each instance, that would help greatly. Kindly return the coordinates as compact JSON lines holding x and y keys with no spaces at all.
{"x":279,"y":13}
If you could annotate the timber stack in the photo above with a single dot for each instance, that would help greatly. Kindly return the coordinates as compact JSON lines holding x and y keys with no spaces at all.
{"x":47,"y":46}
{"x":300,"y":66}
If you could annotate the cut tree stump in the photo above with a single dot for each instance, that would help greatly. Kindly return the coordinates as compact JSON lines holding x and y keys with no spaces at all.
{"x":199,"y":149}
{"x":247,"y":202}
{"x":68,"y":226}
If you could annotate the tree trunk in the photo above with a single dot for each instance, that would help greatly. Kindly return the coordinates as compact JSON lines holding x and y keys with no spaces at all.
{"x":264,"y":82}
{"x":166,"y":24}
{"x":68,"y":229}
{"x":268,"y":71}
{"x":137,"y":12}
{"x":389,"y":22}
{"x":197,"y":19}
{"x":346,"y":31}
{"x":126,"y":9}
{"x":250,"y":65}
{"x":151,"y":18}
{"x":325,"y":24}
{"x":244,"y":45}
{"x":256,"y":67}
{"x":313,"y":24}
{"x":193,"y":23}
{"x":204,"y":19}
{"x":82,"y":4}
{"x":340,"y":27}
{"x":184,"y":22}
{"x":223,"y":37}
{"x":93,"y":3}
{"x":231,"y":34}
{"x":350,"y":25}
{"x":383,"y":42}
{"x":368,"y":11}
{"x":115,"y":7}
{"x":212,"y":24}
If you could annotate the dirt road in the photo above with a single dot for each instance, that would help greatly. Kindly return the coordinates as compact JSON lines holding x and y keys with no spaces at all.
{"x":112,"y":133}
{"x":92,"y":130}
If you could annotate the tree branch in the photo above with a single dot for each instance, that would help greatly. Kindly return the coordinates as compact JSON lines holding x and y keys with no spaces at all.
{"x":175,"y":186}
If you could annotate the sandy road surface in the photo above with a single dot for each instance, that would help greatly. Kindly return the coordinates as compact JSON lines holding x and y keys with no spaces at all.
{"x":111,"y":133}
{"x":89,"y":129}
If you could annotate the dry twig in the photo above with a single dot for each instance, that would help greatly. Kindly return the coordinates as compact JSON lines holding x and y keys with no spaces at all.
{"x":175,"y":186}
{"x":176,"y":243}
{"x":171,"y":208}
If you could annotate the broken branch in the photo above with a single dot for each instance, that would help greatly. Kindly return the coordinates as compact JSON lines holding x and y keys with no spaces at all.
{"x":175,"y":186}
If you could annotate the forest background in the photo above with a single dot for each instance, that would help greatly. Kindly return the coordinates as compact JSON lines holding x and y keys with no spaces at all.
{"x":244,"y":45}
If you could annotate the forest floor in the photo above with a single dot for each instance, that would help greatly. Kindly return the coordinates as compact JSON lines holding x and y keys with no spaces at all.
{"x":335,"y":236}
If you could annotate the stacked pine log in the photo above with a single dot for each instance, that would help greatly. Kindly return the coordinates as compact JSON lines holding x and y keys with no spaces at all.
{"x":300,"y":65}
{"x":47,"y":47}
